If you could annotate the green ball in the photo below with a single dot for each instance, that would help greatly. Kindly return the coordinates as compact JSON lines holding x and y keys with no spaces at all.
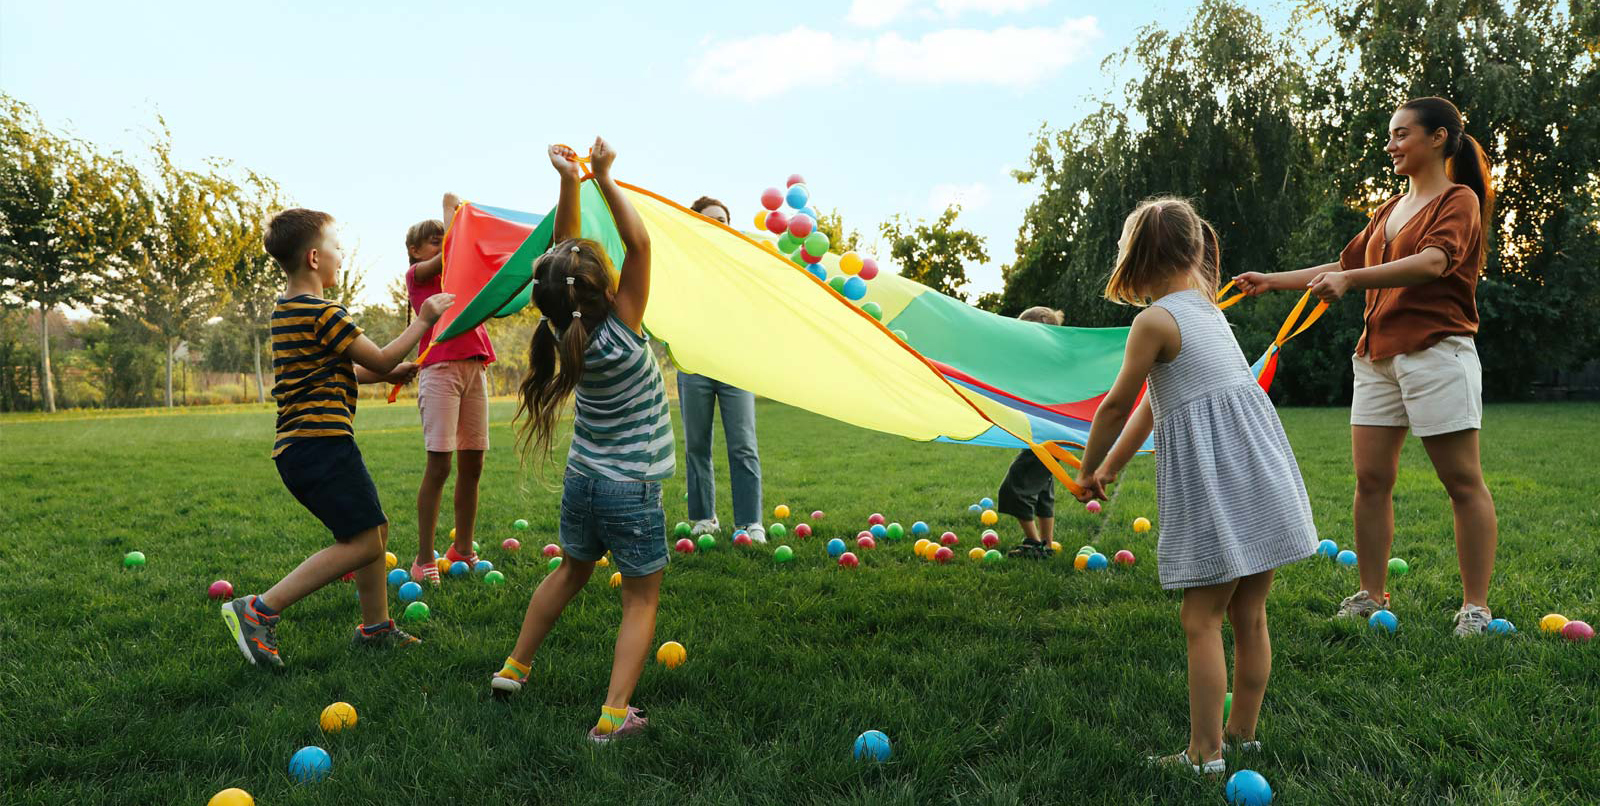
{"x":837,"y":284}
{"x":899,"y":334}
{"x":1086,"y":550}
{"x":817,"y":243}
{"x":1398,"y":567}
{"x":520,"y":524}
{"x":474,"y":547}
{"x":873,"y":310}
{"x":555,"y":562}
{"x":993,"y":556}
{"x":707,"y":542}
{"x":133,"y":559}
{"x":416,"y":611}
{"x":682,"y":529}
{"x":1227,"y":707}
{"x":783,"y":554}
{"x":777,"y":530}
{"x":895,"y":531}
{"x":798,"y":259}
{"x":494,"y":578}
{"x":787,"y":242}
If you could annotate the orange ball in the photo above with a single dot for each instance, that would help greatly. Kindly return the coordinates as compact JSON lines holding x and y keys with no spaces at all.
{"x":672,"y":655}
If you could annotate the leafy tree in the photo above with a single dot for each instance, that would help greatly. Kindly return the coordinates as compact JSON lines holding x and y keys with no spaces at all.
{"x":936,"y":254}
{"x":253,"y":279}
{"x":832,"y":224}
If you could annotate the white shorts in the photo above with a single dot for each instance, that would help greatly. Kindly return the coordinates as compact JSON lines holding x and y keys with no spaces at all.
{"x":453,"y":397}
{"x":1434,"y":391}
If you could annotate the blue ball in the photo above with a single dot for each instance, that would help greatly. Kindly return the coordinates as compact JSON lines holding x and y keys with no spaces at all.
{"x":399,"y":577}
{"x":1248,"y":788}
{"x":1502,"y":627}
{"x":835,"y":547}
{"x":1384,"y":620}
{"x":810,"y":211}
{"x":1098,"y":562}
{"x":435,"y":555}
{"x":854,"y":289}
{"x":410,"y":592}
{"x":872,"y":746}
{"x":1328,"y":548}
{"x":818,"y":272}
{"x":975,"y":508}
{"x":919,"y":528}
{"x":458,"y":568}
{"x":483,"y":567}
{"x":1347,"y":557}
{"x":309,"y":765}
{"x":798,"y":196}
{"x":878,"y":530}
{"x":987,"y":503}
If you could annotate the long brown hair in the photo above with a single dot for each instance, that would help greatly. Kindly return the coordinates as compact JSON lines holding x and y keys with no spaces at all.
{"x":1464,"y":160}
{"x":571,"y":285}
{"x":1161,"y":237}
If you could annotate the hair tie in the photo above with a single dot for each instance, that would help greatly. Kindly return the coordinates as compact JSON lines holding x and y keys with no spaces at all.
{"x":535,"y":281}
{"x":574,"y":248}
{"x":577,"y":314}
{"x":570,"y":280}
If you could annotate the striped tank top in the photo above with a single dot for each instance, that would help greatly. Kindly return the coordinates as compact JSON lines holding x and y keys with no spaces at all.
{"x":622,"y":430}
{"x":313,"y":381}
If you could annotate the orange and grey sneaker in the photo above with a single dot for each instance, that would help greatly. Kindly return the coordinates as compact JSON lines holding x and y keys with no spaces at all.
{"x":510,"y":678}
{"x":254,"y":630}
{"x":454,"y":556}
{"x":428,"y":571}
{"x":384,"y":636}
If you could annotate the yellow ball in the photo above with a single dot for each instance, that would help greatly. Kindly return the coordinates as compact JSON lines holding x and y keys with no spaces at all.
{"x":1141,"y":524}
{"x":452,"y":533}
{"x":231,"y":797}
{"x":780,"y":511}
{"x":1055,"y":546}
{"x":671,"y":655}
{"x":1080,"y":562}
{"x":975,"y":554}
{"x":850,"y":263}
{"x":443,"y":565}
{"x":337,"y":717}
{"x":761,"y":223}
{"x":927,"y":551}
{"x":1552,"y":623}
{"x":922,"y":543}
{"x":390,"y":561}
{"x":616,"y":579}
{"x":989,"y":518}
{"x":603,"y":561}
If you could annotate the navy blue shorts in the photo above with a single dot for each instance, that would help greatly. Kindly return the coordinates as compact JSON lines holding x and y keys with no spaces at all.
{"x":622,"y":516}
{"x":327,"y":476}
{"x":1029,"y":490}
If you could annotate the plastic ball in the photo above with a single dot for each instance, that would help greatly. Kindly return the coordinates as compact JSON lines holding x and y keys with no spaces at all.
{"x":389,"y":560}
{"x":1227,"y":706}
{"x":919,"y":528}
{"x":1141,"y":524}
{"x":1097,"y":562}
{"x":309,"y":765}
{"x":1398,"y":567}
{"x":416,"y":611}
{"x":801,"y":259}
{"x":1081,"y":562}
{"x":777,"y":222}
{"x":1055,"y":546}
{"x":869,"y":269}
{"x":943,"y":555}
{"x":520,"y":524}
{"x":482,"y":567}
{"x":231,"y":797}
{"x":899,"y":334}
{"x":848,"y":560}
{"x":458,"y":569}
{"x":221,"y":589}
{"x":511,"y":544}
{"x":555,"y":562}
{"x":1328,"y":548}
{"x":761,"y":223}
{"x":810,"y":211}
{"x":1093,"y":507}
{"x":475,"y":546}
{"x":801,"y":531}
{"x":1248,"y":788}
{"x":854,"y":288}
{"x":772,"y":198}
{"x":795,"y":179}
{"x":777,"y":530}
{"x":399,"y":577}
{"x":921,"y":544}
{"x":442,"y":565}
{"x":872,"y":745}
{"x":798,"y":195}
{"x":742,"y":540}
{"x":671,"y":655}
{"x":975,"y":553}
{"x":866,"y":542}
{"x":873,"y":310}
{"x":1500,"y":626}
{"x":879,"y":531}
{"x":816,"y":515}
{"x":1384,"y":620}
{"x":787,"y":243}
{"x":993,"y":556}
{"x":991,"y":540}
{"x":837,"y":284}
{"x":494,"y":579}
{"x":835,"y":547}
{"x":1552,"y":622}
{"x":350,"y":577}
{"x":410,"y":592}
{"x":975,"y":508}
{"x":1123,"y":557}
{"x":1578,"y":632}
{"x":850,"y":263}
{"x":707,"y":542}
{"x":337,"y":717}
{"x":783,"y":554}
{"x":1347,"y":557}
{"x":682,"y":529}
{"x":780,"y":511}
{"x":949,"y":539}
{"x":818,"y":272}
{"x":1086,"y":549}
{"x":876,"y":518}
{"x":616,"y":579}
{"x":989,"y":518}
{"x":802,"y":225}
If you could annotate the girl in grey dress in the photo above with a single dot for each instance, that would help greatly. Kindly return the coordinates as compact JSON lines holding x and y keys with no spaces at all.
{"x":1231,"y":502}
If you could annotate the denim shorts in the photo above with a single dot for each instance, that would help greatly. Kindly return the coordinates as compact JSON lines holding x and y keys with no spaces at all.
{"x":624,"y":517}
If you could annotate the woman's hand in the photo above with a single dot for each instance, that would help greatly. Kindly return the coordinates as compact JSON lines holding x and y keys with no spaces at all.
{"x":1252,"y":283}
{"x":565,"y":161}
{"x":1090,"y":487}
{"x":1330,"y":285}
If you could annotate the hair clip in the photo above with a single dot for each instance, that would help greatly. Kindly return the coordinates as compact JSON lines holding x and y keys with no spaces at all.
{"x":574,"y":248}
{"x":535,"y":281}
{"x":577,"y":314}
{"x":570,"y":280}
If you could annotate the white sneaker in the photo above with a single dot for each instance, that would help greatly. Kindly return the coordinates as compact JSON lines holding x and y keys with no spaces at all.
{"x":708,"y":526}
{"x":757,"y":533}
{"x":1472,"y":620}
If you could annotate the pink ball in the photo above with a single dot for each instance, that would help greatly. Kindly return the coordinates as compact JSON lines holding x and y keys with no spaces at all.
{"x":816,"y":516}
{"x":862,"y":534}
{"x":795,"y":179}
{"x":1123,"y":557}
{"x":874,"y":519}
{"x":943,"y":555}
{"x":1578,"y":632}
{"x":865,"y":541}
{"x":777,"y":222}
{"x":1093,"y":507}
{"x":510,"y":544}
{"x":949,"y":539}
{"x":802,"y":531}
{"x":551,"y":549}
{"x":869,"y":269}
{"x":742,"y":540}
{"x":991,"y":540}
{"x":222,"y":589}
{"x":848,"y":560}
{"x":801,"y":225}
{"x":772,"y":198}
{"x":685,"y":545}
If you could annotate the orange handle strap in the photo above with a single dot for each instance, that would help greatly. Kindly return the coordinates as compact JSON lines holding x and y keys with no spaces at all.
{"x":1224,"y":302}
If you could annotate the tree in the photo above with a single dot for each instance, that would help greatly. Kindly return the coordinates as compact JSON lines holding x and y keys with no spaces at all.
{"x":253,"y":278}
{"x":934,"y":255}
{"x":840,"y":240}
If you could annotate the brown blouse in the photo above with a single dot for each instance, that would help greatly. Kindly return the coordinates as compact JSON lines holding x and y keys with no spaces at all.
{"x":1412,"y":318}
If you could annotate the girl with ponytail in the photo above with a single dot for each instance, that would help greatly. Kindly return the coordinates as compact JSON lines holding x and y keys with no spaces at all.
{"x":590,"y":345}
{"x":1416,"y":364}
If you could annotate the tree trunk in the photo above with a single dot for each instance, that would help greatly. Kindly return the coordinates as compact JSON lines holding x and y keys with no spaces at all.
{"x":169,"y":373}
{"x":261,"y":387}
{"x":47,"y":387}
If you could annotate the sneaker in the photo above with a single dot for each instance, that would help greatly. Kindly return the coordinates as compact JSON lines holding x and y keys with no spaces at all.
{"x":425,"y":572}
{"x":1028,"y":549}
{"x":451,"y":555}
{"x":632,"y":726}
{"x":709,"y":526}
{"x":1472,"y":620}
{"x":756,"y":532}
{"x":505,"y":685}
{"x":1232,"y":746}
{"x":1180,"y":761}
{"x":1361,"y":606}
{"x":387,"y":638}
{"x":257,"y":637}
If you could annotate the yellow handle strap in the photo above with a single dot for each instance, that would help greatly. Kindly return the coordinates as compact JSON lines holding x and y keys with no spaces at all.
{"x":1225,"y":302}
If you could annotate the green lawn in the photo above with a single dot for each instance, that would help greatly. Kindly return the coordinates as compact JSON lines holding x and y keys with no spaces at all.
{"x":1018,"y":683}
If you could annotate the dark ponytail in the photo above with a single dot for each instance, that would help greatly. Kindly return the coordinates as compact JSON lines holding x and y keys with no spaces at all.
{"x":1465,"y":161}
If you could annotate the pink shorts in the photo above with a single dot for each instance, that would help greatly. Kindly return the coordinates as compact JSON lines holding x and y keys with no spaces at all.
{"x":453,"y":397}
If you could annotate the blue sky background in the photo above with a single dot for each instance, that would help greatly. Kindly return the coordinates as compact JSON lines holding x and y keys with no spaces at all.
{"x":371,"y":111}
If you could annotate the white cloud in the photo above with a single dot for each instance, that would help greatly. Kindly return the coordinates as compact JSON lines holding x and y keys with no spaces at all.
{"x":750,"y":68}
{"x":951,"y":8}
{"x":971,"y":197}
{"x":876,"y":13}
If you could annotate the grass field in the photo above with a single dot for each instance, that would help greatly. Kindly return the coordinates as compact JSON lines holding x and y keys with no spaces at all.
{"x":1018,"y":683}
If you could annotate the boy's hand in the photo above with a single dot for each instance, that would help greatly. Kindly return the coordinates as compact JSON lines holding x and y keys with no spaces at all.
{"x":565,"y":161}
{"x":601,"y":156}
{"x":402,"y":374}
{"x":1105,"y":477}
{"x":1251,"y":283}
{"x":435,"y":306}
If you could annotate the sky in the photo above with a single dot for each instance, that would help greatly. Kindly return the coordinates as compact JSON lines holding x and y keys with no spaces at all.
{"x":372,"y":111}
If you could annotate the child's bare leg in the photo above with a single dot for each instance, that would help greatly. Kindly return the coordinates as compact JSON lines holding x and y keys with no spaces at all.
{"x":1202,"y":612}
{"x":1030,"y":529}
{"x":1047,"y":530}
{"x":1252,"y":655}
{"x":640,"y":597}
{"x":546,"y":604}
{"x":429,"y":497}
{"x":357,"y":554}
{"x":469,"y":468}
{"x":372,"y":583}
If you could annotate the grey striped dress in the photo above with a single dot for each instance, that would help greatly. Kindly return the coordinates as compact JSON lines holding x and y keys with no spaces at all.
{"x":621,"y":430}
{"x":1228,"y":489}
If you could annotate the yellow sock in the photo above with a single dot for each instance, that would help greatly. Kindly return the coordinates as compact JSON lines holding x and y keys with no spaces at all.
{"x":610,"y":719}
{"x":514,"y":670}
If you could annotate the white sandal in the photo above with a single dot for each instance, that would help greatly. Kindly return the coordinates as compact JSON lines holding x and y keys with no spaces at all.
{"x":1181,"y":760}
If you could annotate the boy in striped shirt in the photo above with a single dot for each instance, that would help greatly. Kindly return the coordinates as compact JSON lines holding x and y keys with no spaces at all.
{"x":319,"y":356}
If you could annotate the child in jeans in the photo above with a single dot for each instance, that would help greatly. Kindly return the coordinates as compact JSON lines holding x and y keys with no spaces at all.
{"x":1028,"y":492}
{"x":591,"y":342}
{"x":318,"y":358}
{"x":453,"y":398}
{"x":1228,"y":491}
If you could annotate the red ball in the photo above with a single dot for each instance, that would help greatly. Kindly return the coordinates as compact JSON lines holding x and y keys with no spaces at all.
{"x":221,"y":589}
{"x":777,"y":222}
{"x":801,"y":225}
{"x":949,"y":539}
{"x":816,"y":516}
{"x":510,"y":544}
{"x":350,"y":577}
{"x":742,"y":539}
{"x":875,"y":519}
{"x":1123,"y":557}
{"x":686,"y":546}
{"x":1578,"y":632}
{"x":869,"y":269}
{"x":808,"y":257}
{"x":991,"y":540}
{"x":795,"y":179}
{"x":802,"y":531}
{"x":848,"y":560}
{"x":865,"y":541}
{"x":772,"y":198}
{"x":943,"y":555}
{"x":551,"y":549}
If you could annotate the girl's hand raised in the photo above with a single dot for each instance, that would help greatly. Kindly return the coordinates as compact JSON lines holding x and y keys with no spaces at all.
{"x":565,"y":161}
{"x":601,"y":156}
